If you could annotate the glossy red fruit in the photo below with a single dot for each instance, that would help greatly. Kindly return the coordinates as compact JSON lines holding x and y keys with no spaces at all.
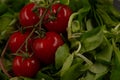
{"x":45,"y":48}
{"x":57,"y":20}
{"x":28,"y":17}
{"x":17,"y":39}
{"x":27,"y":67}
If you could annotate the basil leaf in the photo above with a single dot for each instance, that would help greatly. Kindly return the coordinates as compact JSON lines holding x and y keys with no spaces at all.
{"x":61,"y":54}
{"x":67,"y":64}
{"x":89,"y":76}
{"x":104,"y":52}
{"x":5,"y":25}
{"x":72,"y":73}
{"x":42,"y":76}
{"x":115,"y":72}
{"x":66,"y":2}
{"x":84,"y":10}
{"x":3,"y":8}
{"x":91,"y":40}
{"x":98,"y":68}
{"x":17,"y":5}
{"x":107,"y":18}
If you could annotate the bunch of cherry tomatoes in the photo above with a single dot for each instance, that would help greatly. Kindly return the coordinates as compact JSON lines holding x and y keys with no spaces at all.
{"x":35,"y":45}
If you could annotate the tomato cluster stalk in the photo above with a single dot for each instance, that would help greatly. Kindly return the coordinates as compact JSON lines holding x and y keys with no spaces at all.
{"x":31,"y":33}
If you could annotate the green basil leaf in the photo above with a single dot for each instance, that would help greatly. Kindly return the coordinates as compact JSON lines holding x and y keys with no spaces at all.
{"x":98,"y":68}
{"x":74,"y":5}
{"x":109,"y":7}
{"x":92,"y":76}
{"x":104,"y":52}
{"x":91,"y":40}
{"x":3,"y":8}
{"x":61,"y":54}
{"x":17,"y":5}
{"x":84,"y":11}
{"x":66,"y":2}
{"x":89,"y":76}
{"x":5,"y":25}
{"x":67,"y":64}
{"x":72,"y":73}
{"x":100,"y":76}
{"x":107,"y":18}
{"x":115,"y":72}
{"x":42,"y":76}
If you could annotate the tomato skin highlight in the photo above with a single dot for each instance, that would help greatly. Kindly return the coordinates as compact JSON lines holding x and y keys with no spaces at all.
{"x":27,"y":15}
{"x":27,"y":67}
{"x":45,"y":48}
{"x":17,"y":39}
{"x":60,"y":23}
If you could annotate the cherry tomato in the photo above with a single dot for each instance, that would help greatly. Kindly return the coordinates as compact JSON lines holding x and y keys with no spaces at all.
{"x":27,"y":15}
{"x":17,"y":39}
{"x":27,"y":67}
{"x":45,"y":48}
{"x":57,"y":20}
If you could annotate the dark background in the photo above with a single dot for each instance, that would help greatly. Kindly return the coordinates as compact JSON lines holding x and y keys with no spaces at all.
{"x":116,"y":3}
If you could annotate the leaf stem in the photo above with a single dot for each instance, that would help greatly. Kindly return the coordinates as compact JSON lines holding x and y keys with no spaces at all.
{"x":85,"y":59}
{"x":70,"y":23}
{"x":1,"y":60}
{"x":79,"y":47}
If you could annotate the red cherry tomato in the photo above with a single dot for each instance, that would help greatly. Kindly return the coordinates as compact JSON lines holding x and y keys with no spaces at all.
{"x":27,"y":67}
{"x":45,"y":48}
{"x":27,"y":15}
{"x":17,"y":39}
{"x":60,"y":14}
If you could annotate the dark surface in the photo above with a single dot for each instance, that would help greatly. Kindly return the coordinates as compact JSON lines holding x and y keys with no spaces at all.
{"x":117,"y":4}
